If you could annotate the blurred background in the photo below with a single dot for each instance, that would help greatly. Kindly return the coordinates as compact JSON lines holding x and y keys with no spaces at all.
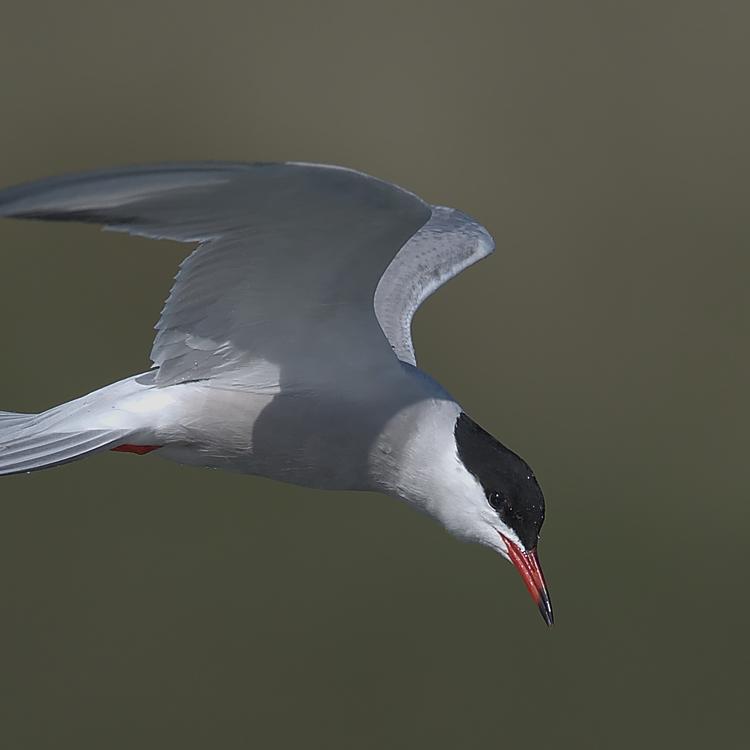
{"x":605,"y":145}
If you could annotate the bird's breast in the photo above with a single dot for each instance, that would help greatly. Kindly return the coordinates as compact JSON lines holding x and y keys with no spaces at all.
{"x":322,"y":439}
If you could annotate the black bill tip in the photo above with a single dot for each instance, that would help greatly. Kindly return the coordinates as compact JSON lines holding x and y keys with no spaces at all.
{"x":545,"y":609}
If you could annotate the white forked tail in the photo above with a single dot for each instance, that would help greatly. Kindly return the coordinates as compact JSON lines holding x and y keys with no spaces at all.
{"x":24,"y":447}
{"x":94,"y":423}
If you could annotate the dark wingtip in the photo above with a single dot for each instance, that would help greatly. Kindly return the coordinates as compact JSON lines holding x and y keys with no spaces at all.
{"x":79,"y":216}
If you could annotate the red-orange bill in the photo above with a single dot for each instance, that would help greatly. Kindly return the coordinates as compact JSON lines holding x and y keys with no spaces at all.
{"x":527,"y":564}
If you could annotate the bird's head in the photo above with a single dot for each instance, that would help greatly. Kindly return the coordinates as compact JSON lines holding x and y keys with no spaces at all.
{"x":496,"y":501}
{"x":481,"y":491}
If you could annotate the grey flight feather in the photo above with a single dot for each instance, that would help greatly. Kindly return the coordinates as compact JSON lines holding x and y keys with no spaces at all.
{"x":447,"y":244}
{"x":302,"y":267}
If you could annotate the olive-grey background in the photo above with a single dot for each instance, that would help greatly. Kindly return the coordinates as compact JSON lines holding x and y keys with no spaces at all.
{"x":605,"y":145}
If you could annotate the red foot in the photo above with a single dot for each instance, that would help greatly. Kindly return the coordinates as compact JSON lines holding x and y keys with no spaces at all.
{"x":139,"y":449}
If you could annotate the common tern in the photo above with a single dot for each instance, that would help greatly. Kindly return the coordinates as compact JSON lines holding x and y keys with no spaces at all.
{"x":284,"y":348}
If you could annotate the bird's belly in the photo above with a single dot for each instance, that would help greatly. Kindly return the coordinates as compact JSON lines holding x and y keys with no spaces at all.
{"x":312,"y":441}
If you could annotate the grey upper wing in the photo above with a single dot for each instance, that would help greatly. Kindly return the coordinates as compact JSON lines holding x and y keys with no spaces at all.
{"x":289,"y":258}
{"x":447,"y":244}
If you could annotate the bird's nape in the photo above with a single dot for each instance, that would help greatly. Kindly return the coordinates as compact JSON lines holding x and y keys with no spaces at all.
{"x":526,"y":563}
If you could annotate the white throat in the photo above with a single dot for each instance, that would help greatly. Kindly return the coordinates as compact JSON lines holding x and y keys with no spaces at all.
{"x":416,"y":459}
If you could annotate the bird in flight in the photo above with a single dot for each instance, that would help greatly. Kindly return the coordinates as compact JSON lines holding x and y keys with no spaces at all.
{"x":284,"y":348}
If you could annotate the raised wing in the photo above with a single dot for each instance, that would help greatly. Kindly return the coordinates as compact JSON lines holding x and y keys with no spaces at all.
{"x":299,"y":270}
{"x":447,"y":244}
{"x":280,"y":289}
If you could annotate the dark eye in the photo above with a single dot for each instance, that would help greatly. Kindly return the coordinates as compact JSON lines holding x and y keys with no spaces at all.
{"x":495,"y":499}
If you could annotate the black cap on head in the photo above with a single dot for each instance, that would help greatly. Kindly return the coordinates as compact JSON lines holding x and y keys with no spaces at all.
{"x":508,"y":481}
